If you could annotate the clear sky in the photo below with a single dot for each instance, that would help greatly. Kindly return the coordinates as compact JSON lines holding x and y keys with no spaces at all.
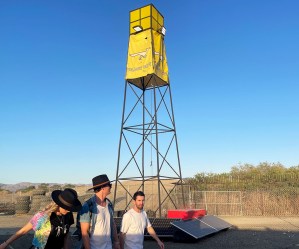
{"x":234,"y":71}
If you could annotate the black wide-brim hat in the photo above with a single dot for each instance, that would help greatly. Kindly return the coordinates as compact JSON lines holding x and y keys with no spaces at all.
{"x":67,"y":199}
{"x":99,"y":181}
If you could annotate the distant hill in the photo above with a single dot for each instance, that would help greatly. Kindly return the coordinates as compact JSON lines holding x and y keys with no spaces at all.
{"x":24,"y":185}
{"x":18,"y":186}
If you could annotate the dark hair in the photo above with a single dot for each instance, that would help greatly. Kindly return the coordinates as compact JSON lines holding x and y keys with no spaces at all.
{"x":97,"y":189}
{"x":138,"y":193}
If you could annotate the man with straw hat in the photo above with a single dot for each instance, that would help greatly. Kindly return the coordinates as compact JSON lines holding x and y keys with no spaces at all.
{"x":96,"y":217}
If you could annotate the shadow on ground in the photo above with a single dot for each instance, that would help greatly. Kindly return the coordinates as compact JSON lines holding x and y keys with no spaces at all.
{"x":232,"y":238}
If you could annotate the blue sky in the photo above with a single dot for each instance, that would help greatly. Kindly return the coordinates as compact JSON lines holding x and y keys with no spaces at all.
{"x":233,"y":68}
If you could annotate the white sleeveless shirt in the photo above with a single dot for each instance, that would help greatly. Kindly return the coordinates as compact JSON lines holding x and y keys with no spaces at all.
{"x":101,"y":237}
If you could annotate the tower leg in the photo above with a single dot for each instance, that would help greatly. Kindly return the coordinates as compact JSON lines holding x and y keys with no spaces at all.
{"x":131,"y":166}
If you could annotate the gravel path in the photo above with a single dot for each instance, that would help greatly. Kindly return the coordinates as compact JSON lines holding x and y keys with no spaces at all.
{"x":246,"y":232}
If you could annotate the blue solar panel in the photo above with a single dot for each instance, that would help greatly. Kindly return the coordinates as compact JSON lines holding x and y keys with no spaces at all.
{"x":215,"y":222}
{"x":195,"y":228}
{"x":163,"y":226}
{"x":201,"y":227}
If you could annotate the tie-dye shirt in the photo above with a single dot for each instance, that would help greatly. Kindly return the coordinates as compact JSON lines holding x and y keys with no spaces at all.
{"x":50,"y":230}
{"x":42,"y":226}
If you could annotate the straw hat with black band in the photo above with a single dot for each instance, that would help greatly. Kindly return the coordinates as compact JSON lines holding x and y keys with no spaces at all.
{"x":100,"y":181}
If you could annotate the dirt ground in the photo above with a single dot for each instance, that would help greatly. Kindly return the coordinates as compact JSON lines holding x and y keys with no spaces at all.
{"x":246,"y":232}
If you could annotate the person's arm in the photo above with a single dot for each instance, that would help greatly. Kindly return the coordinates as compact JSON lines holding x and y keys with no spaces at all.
{"x":152,"y":232}
{"x":122,"y":237}
{"x":85,"y":234}
{"x":115,"y":237}
{"x":25,"y":229}
{"x":124,"y":229}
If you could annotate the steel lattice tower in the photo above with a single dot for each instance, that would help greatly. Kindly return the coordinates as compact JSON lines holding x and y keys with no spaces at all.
{"x":148,"y":147}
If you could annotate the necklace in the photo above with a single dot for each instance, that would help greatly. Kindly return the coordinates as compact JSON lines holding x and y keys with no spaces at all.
{"x":60,"y":218}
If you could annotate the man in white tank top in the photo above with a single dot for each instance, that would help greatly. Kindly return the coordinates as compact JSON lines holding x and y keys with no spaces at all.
{"x":96,"y":218}
{"x":133,"y":224}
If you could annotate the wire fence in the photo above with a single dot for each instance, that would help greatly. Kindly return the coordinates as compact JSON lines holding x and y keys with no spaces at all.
{"x":247,"y":203}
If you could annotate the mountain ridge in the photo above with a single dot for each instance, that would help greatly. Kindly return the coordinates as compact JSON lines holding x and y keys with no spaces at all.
{"x":22,"y":185}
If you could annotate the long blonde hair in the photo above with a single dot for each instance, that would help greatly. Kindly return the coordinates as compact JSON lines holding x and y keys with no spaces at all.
{"x":52,"y":207}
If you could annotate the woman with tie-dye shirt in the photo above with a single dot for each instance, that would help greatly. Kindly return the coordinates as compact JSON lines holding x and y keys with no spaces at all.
{"x":51,"y":226}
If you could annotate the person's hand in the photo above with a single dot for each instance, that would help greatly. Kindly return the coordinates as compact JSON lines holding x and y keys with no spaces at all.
{"x":161,"y":245}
